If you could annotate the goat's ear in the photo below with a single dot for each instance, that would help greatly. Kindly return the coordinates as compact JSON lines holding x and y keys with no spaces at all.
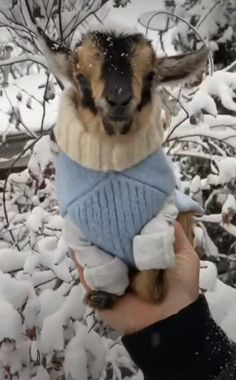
{"x":60,"y":60}
{"x":62,"y":65}
{"x":180,"y":67}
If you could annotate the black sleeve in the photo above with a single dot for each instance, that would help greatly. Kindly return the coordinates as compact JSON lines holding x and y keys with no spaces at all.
{"x":186,"y":346}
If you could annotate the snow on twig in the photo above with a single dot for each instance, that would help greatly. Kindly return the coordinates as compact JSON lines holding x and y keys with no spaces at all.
{"x":24,"y":58}
{"x":208,"y":14}
{"x":44,"y":104}
{"x":211,"y":63}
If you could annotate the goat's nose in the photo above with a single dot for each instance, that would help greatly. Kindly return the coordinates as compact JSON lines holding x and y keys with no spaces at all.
{"x":119,"y":97}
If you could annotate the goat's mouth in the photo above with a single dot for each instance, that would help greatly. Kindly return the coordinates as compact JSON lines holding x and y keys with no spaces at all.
{"x":117,"y":125}
{"x":116,"y":119}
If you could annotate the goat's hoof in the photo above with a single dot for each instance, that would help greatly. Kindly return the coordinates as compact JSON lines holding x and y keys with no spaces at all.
{"x":100,"y":300}
{"x":150,"y":285}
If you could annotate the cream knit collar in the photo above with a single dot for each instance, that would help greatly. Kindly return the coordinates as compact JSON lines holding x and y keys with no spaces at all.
{"x":101,"y":152}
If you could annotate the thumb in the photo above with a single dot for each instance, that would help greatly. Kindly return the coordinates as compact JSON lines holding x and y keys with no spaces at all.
{"x":80,"y":270}
{"x":182,"y":244}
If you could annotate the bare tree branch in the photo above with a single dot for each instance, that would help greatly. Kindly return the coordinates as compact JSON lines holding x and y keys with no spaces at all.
{"x":211,"y":63}
{"x":60,"y":21}
{"x":24,"y":58}
{"x":21,"y":154}
{"x":168,"y":139}
{"x":44,"y":104}
{"x":18,"y":118}
{"x":208,"y":13}
{"x":183,"y":139}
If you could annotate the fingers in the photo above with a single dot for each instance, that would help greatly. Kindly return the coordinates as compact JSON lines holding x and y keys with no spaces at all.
{"x":81,"y":273}
{"x":182,"y":244}
{"x":82,"y":280}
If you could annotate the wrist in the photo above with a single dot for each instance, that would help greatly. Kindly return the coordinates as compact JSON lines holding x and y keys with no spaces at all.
{"x":175,"y":304}
{"x":151,"y":314}
{"x":188,"y":343}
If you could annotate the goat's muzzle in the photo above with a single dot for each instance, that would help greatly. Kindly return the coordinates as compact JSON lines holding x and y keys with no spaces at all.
{"x":117,"y":118}
{"x":117,"y":125}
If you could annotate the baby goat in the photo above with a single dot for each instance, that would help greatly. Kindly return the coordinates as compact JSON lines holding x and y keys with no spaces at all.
{"x":115,"y":186}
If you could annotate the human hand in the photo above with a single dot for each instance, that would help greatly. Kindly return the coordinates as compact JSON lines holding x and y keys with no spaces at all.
{"x":130,"y":314}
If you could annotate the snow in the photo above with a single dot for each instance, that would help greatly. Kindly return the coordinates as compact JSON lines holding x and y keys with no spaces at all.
{"x":76,"y":358}
{"x":50,"y":302}
{"x":11,"y":260}
{"x":202,"y":101}
{"x":27,"y":86}
{"x":31,"y":87}
{"x":42,"y":374}
{"x":36,"y":219}
{"x":227,"y":169}
{"x":195,"y":184}
{"x":46,"y":331}
{"x":129,"y":15}
{"x":203,"y":240}
{"x":227,"y":35}
{"x":52,"y":337}
{"x":13,"y":291}
{"x":222,"y":84}
{"x":52,"y":334}
{"x":221,"y":298}
{"x":41,"y":157}
{"x":228,"y":323}
{"x":208,"y":276}
{"x":73,"y":306}
{"x":58,"y":313}
{"x":229,"y":205}
{"x":10,"y":327}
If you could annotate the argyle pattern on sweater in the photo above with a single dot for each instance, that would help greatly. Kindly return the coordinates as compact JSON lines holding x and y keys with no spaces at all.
{"x":110,"y":208}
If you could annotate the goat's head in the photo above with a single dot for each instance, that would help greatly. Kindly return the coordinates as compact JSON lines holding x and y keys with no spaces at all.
{"x":116,"y":76}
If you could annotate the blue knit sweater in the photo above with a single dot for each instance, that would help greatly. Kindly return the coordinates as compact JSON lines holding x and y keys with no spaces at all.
{"x":110,"y":208}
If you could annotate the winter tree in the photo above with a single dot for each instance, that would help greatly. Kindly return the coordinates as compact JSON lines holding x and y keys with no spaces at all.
{"x":202,"y":140}
{"x":58,"y":21}
{"x":46,"y":332}
{"x":214,"y":20}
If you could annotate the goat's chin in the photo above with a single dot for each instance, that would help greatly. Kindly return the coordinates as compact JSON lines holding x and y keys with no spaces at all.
{"x":117,"y":127}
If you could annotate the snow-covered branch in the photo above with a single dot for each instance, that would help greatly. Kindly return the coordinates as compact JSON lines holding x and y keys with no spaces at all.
{"x":58,"y":21}
{"x":46,"y":329}
{"x":24,"y":58}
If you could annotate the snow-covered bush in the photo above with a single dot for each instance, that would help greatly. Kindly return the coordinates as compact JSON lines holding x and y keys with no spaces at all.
{"x":30,"y":32}
{"x":215,"y":21}
{"x":59,"y":23}
{"x":46,"y":332}
{"x":202,"y":141}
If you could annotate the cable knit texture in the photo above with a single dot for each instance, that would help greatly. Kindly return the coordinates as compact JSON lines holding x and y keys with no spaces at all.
{"x":99,"y":151}
{"x":110,"y":187}
{"x":111,"y":208}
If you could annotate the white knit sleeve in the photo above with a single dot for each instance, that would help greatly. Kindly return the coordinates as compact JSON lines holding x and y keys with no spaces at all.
{"x":153,"y":248}
{"x":102,"y":271}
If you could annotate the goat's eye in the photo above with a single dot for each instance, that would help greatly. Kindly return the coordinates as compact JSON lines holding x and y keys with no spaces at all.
{"x":83,"y":82}
{"x":98,"y":55}
{"x":150,"y":76}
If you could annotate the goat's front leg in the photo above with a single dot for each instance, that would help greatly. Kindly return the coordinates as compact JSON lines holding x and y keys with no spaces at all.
{"x":100,"y":300}
{"x":107,"y":277}
{"x":151,"y":285}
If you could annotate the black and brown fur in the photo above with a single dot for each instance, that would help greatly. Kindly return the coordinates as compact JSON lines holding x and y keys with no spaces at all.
{"x":115,"y":77}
